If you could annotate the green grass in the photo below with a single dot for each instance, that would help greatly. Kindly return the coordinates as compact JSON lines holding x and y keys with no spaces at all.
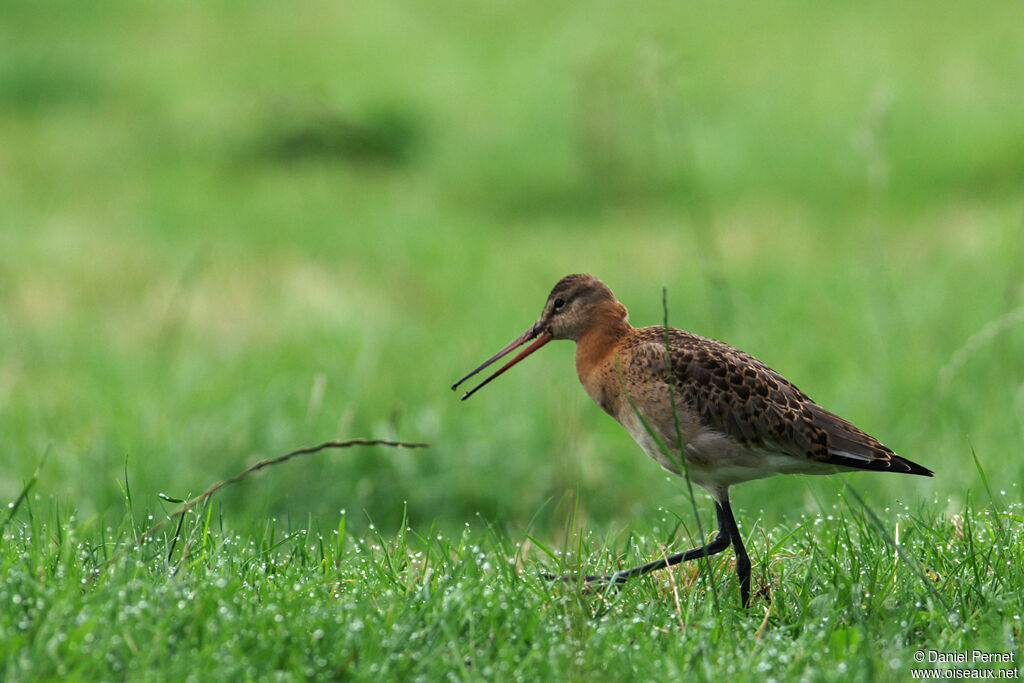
{"x":234,"y":229}
{"x":834,"y":600}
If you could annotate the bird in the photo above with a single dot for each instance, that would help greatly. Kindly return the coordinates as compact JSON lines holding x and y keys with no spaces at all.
{"x":698,"y":406}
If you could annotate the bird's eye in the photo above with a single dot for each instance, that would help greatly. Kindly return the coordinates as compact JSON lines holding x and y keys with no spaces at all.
{"x":558,"y":304}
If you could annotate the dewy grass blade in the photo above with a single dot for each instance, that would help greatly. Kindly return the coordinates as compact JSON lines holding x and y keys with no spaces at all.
{"x":670,"y":380}
{"x":988,"y":489}
{"x":904,"y":554}
{"x":23,"y":496}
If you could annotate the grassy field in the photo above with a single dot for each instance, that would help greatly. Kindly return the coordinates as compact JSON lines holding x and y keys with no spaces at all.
{"x":229,"y":230}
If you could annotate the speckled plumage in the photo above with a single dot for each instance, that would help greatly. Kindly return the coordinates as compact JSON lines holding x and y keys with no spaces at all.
{"x":735,"y":418}
{"x":726,"y":400}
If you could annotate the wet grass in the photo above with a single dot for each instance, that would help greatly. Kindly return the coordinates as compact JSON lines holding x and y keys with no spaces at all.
{"x":835,"y":598}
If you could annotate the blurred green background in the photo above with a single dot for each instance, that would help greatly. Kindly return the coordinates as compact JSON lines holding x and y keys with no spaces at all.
{"x":229,"y":229}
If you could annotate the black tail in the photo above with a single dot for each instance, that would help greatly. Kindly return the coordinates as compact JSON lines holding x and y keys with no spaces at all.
{"x":893,"y":463}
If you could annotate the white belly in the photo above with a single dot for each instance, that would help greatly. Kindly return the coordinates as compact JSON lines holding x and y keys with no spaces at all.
{"x":714,"y":460}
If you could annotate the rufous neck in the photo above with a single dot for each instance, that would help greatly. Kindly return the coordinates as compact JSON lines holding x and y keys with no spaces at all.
{"x":605,"y":330}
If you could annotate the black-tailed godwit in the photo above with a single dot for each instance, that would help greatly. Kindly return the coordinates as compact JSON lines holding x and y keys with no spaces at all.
{"x":735,"y":418}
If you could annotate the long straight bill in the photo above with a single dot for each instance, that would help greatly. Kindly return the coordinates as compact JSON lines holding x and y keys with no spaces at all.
{"x":542,"y":339}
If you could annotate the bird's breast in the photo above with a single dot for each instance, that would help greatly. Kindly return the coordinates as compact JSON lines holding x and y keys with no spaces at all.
{"x":595,"y":366}
{"x":600,"y":386}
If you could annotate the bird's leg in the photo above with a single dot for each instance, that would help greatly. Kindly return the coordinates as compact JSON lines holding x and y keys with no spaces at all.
{"x":742,"y":559}
{"x":727,"y":532}
{"x":719,"y":543}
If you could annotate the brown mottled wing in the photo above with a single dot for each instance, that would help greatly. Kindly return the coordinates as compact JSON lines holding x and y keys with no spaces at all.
{"x":733,"y":392}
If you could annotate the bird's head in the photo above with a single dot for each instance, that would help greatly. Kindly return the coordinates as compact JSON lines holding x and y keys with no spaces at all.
{"x":575,"y":305}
